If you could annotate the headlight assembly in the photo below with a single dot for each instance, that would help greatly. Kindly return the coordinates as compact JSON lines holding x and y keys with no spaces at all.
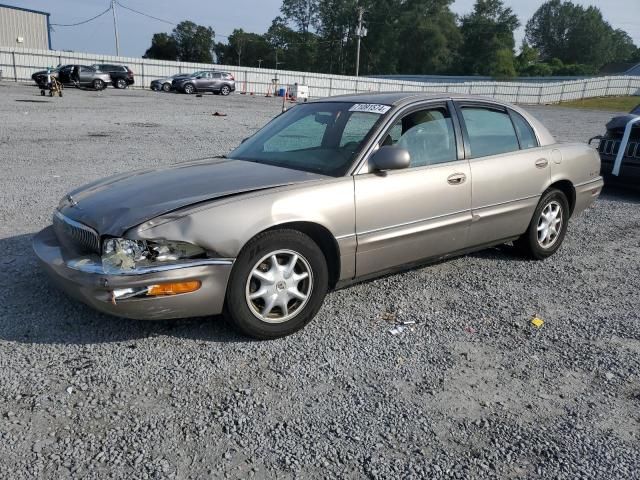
{"x":120,"y":254}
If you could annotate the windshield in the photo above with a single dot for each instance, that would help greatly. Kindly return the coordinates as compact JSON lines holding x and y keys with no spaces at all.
{"x":315,"y":137}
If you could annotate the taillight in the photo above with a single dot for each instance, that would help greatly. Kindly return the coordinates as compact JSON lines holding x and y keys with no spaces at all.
{"x":130,"y":72}
{"x":231,"y":77}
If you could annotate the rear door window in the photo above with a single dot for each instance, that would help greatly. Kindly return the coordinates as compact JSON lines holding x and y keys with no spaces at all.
{"x":489,"y":131}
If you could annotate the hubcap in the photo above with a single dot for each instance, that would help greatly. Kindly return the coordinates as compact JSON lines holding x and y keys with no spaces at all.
{"x":550,"y":225}
{"x":279,"y":286}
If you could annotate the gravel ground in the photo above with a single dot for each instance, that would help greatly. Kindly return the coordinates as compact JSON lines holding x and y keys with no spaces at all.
{"x":472,"y":391}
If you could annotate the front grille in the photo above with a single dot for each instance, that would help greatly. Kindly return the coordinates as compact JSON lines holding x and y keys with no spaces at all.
{"x":609,"y":146}
{"x":80,"y":236}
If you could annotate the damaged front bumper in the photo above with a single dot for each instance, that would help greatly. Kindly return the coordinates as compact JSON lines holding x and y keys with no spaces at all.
{"x":123,"y":294}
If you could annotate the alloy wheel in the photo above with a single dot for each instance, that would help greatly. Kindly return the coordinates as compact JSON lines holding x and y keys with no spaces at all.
{"x":550,"y":224}
{"x":279,"y":286}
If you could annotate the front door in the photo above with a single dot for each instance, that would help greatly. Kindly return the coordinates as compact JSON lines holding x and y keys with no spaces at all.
{"x":421,"y":212}
{"x":509,"y":170}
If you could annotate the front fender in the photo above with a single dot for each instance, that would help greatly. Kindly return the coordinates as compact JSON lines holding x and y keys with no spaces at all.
{"x":225,"y":226}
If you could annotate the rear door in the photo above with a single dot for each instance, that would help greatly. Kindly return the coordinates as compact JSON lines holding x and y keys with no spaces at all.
{"x":87,"y":75}
{"x":509,"y":171}
{"x":216,"y":81}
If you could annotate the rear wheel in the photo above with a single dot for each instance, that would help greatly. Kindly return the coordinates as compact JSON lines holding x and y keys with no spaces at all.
{"x":189,"y":89}
{"x":548,"y":226}
{"x":225,"y":90}
{"x":166,"y":87}
{"x":98,"y":84}
{"x":121,"y":83}
{"x":278,"y":284}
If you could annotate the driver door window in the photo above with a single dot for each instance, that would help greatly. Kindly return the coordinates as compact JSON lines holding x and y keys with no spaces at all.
{"x":428,"y":136}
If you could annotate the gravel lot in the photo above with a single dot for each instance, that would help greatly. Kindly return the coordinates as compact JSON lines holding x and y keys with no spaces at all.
{"x":472,"y":391}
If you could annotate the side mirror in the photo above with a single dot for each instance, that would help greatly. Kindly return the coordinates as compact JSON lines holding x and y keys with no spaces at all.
{"x":390,"y":158}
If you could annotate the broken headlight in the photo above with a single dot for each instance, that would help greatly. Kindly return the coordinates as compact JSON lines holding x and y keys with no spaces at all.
{"x":120,"y":254}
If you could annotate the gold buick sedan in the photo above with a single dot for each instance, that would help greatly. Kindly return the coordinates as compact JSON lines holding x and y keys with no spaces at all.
{"x":329,"y":193}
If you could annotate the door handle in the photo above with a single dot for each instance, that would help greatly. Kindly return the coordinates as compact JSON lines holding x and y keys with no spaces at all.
{"x":542,"y":163}
{"x":457,"y":179}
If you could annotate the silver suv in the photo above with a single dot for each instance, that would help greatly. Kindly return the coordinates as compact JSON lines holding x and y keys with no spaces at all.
{"x":213,"y":81}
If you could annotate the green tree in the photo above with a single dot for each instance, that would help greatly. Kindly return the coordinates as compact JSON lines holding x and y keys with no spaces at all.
{"x":429,"y":27}
{"x":303,"y":13}
{"x":577,"y":35}
{"x":488,"y":42}
{"x":195,"y":42}
{"x":188,"y":42}
{"x":244,"y":48}
{"x":163,"y":47}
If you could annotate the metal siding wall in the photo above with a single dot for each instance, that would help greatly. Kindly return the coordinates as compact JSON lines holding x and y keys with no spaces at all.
{"x":258,"y":81}
{"x":29,"y":25}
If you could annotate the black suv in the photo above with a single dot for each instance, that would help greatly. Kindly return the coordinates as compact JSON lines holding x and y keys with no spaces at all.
{"x":121,"y":76}
{"x":610,"y":144}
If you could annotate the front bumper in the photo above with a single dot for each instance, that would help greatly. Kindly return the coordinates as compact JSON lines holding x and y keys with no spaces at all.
{"x":84,"y":280}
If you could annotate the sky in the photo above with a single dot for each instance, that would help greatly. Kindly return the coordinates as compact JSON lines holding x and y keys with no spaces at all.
{"x":251,"y":15}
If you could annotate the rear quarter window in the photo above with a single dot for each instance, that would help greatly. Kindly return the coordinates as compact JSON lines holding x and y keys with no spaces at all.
{"x":525,"y":133}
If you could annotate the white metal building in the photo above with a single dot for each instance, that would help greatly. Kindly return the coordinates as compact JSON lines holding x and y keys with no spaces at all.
{"x":24,"y":28}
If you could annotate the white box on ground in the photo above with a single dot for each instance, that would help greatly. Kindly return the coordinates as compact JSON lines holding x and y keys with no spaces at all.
{"x":299,"y":92}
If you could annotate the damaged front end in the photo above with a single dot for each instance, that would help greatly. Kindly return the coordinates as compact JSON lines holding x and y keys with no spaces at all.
{"x":143,"y":279}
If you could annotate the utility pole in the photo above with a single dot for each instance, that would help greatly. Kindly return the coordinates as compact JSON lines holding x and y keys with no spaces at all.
{"x":360,"y":32}
{"x":115,"y":27}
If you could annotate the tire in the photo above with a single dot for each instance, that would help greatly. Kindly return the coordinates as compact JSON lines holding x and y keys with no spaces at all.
{"x":120,"y":83}
{"x":290,"y":247}
{"x":166,"y":87}
{"x":540,"y":241}
{"x":225,"y":90}
{"x":189,"y":89}
{"x":98,"y":84}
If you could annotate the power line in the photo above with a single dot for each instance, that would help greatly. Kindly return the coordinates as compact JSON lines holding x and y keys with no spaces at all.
{"x":145,"y":14}
{"x":82,"y":22}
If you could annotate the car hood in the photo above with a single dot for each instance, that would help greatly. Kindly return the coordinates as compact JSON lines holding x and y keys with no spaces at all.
{"x":619,"y":123}
{"x":115,"y":204}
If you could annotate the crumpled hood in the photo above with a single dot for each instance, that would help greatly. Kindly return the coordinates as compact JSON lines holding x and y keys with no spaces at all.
{"x":116,"y":204}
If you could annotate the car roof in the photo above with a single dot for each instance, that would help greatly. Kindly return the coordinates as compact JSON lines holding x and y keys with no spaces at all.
{"x":403,"y":98}
{"x":385,"y":98}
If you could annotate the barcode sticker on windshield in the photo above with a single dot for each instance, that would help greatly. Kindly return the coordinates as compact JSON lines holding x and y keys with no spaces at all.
{"x":370,"y":108}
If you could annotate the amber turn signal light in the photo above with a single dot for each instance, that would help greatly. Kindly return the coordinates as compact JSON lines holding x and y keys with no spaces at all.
{"x":173,"y":288}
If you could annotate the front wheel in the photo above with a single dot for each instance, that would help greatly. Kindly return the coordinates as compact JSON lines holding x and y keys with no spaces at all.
{"x":189,"y":89}
{"x":548,"y":226}
{"x":277,"y":285}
